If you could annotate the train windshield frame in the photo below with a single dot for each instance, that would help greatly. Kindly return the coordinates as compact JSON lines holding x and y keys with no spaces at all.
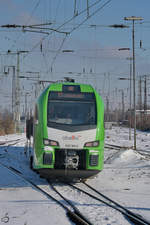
{"x":66,"y":110}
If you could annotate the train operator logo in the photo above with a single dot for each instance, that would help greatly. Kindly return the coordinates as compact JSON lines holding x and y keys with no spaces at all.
{"x":71,"y":138}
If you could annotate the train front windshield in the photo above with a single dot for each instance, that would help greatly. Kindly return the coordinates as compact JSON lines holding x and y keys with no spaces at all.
{"x":71,"y":109}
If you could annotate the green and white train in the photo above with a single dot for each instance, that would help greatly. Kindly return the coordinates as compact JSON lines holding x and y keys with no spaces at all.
{"x":68,"y":132}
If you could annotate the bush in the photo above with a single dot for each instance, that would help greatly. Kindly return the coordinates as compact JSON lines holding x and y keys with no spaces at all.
{"x":143,"y":122}
{"x":7,"y":125}
{"x":1,"y":126}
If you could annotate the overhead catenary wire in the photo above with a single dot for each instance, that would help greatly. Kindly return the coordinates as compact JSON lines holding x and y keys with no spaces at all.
{"x":63,"y":24}
{"x":58,"y":51}
{"x":96,"y":11}
{"x":53,"y":59}
{"x":58,"y":29}
{"x":75,"y":28}
{"x":35,"y":7}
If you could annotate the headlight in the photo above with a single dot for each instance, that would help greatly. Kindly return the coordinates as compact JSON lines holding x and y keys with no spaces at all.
{"x":48,"y":142}
{"x":92,"y":144}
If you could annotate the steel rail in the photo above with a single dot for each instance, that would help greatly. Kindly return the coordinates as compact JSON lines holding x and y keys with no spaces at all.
{"x":5,"y":142}
{"x":75,"y":216}
{"x":136,"y":219}
{"x":117,"y":204}
{"x":72,"y":205}
{"x":117,"y":148}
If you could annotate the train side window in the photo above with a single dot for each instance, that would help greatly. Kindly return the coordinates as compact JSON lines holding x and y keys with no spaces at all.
{"x":36,"y":115}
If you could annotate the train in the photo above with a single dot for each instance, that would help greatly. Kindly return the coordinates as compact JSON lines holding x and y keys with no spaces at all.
{"x":67,"y":130}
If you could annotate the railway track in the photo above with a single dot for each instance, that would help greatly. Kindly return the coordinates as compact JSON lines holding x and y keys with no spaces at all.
{"x":116,"y":147}
{"x":10,"y":142}
{"x":5,"y":145}
{"x":71,"y":211}
{"x":144,"y":153}
{"x":136,"y":219}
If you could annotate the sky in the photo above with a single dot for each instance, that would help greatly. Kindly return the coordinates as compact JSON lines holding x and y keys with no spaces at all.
{"x":125,"y":179}
{"x":94,"y":56}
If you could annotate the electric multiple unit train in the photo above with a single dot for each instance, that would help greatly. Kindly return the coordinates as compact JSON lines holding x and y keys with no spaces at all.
{"x":68,"y":132}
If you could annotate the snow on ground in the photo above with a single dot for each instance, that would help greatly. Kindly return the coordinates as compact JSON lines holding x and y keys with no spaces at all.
{"x":125,"y":178}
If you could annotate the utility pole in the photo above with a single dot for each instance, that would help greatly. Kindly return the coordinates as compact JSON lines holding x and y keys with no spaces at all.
{"x":17,"y":105}
{"x":87,"y":8}
{"x":13,"y":87}
{"x":75,"y":8}
{"x":26,"y":104}
{"x":17,"y":95}
{"x":16,"y":90}
{"x":107,"y":110}
{"x":145,"y":102}
{"x":13,"y":90}
{"x":123,"y":105}
{"x":116,"y":106}
{"x":130,"y":82}
{"x":133,"y":19}
{"x":140,"y":94}
{"x":140,"y":100}
{"x":145,"y":95}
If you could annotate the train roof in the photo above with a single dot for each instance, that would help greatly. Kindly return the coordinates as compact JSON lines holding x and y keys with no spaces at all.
{"x":62,"y":86}
{"x":59,"y":86}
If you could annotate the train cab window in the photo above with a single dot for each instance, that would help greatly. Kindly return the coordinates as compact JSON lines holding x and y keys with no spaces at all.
{"x":74,"y":112}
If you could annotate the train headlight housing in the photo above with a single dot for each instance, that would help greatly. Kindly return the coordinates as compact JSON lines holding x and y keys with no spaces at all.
{"x":48,"y":142}
{"x":92,"y":144}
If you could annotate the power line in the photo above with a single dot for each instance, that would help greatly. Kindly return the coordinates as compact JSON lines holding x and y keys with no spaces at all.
{"x":59,"y":27}
{"x":58,"y":51}
{"x":36,"y":6}
{"x":89,"y":16}
{"x":62,"y":25}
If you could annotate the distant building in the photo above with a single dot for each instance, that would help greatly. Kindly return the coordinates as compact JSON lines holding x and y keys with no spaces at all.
{"x":142,"y":111}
